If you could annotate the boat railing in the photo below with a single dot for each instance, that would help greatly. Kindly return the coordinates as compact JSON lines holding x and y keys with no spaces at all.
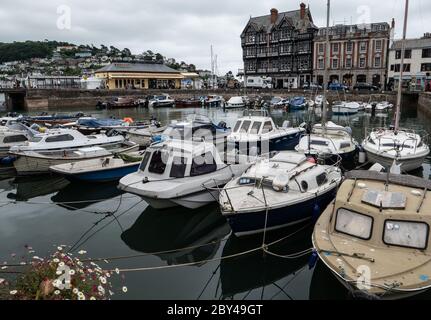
{"x":423,"y":136}
{"x":255,"y":113}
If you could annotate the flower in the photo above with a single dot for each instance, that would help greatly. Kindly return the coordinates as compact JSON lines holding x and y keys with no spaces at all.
{"x":2,"y":281}
{"x":56,"y":283}
{"x":57,"y":292}
{"x":82,"y":252}
{"x":56,"y":260}
{"x":81,"y":296}
{"x":75,"y":290}
{"x":102,"y":280}
{"x":72,"y":272}
{"x":36,"y":258}
{"x":61,"y":264}
{"x":124,"y":289}
{"x":59,"y":273}
{"x":117,"y":271}
{"x":92,"y":298}
{"x":13,"y":292}
{"x":60,"y":248}
{"x":101,"y":289}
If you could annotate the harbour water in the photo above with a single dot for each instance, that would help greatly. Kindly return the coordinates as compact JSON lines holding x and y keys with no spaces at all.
{"x":44,"y":212}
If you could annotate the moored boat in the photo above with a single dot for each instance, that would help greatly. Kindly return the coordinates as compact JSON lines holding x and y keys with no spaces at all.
{"x":284,"y":190}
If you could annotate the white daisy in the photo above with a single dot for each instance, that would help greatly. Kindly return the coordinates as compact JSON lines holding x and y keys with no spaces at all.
{"x":13,"y":292}
{"x":124,"y":289}
{"x":93,"y":298}
{"x":81,"y":297}
{"x":75,"y":290}
{"x":101,"y":289}
{"x":61,"y":264}
{"x":60,"y":248}
{"x":56,"y":260}
{"x":102,"y":280}
{"x":117,"y":271}
{"x":57,"y":292}
{"x":59,"y":273}
{"x":72,"y":272}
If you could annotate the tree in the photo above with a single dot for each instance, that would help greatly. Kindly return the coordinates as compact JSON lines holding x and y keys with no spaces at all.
{"x":159,"y":57}
{"x":126,"y":52}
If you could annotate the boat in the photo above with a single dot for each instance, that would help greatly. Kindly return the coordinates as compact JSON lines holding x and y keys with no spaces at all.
{"x":14,"y":134}
{"x":144,"y":136}
{"x":213,"y":101}
{"x":235,"y":102}
{"x":196,"y":127}
{"x":162,"y":101}
{"x":332,"y":144}
{"x":384,"y":105}
{"x":345,"y":108}
{"x":375,"y":236}
{"x":28,"y":188}
{"x":103,"y":169}
{"x":53,"y":120}
{"x":181,"y":173}
{"x":298,"y":103}
{"x":256,"y":133}
{"x":405,"y":146}
{"x":318,"y":101}
{"x":188,"y":103}
{"x":279,"y":103}
{"x":327,"y":142}
{"x":31,"y":162}
{"x":65,"y":139}
{"x":278,"y":192}
{"x":90,"y":125}
{"x":118,"y":103}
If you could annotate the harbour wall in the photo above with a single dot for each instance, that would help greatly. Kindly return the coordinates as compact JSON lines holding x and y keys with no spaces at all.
{"x":57,"y":99}
{"x":424,"y":104}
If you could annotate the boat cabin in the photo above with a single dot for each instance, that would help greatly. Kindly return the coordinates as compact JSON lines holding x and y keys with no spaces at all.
{"x":179,"y":159}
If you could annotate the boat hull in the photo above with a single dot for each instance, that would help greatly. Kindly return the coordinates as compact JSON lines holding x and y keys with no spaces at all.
{"x":244,"y":224}
{"x":288,"y":143}
{"x":348,"y":160}
{"x":410,"y":164}
{"x":192,"y":201}
{"x":105,"y":175}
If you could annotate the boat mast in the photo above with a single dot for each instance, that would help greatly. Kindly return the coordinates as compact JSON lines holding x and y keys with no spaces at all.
{"x":400,"y":82}
{"x":325,"y":75}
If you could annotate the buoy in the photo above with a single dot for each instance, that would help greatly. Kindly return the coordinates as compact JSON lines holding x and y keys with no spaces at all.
{"x":311,"y":160}
{"x":128,"y":120}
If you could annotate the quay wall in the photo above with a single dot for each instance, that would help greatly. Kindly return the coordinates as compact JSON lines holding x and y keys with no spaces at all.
{"x":45,"y":99}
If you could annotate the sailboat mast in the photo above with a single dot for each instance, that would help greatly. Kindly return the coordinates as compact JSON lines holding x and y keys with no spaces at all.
{"x":400,"y":82}
{"x":325,"y":75}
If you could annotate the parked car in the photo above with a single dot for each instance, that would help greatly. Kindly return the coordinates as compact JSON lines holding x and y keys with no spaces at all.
{"x":312,"y":86}
{"x":338,"y":87}
{"x":365,"y":86}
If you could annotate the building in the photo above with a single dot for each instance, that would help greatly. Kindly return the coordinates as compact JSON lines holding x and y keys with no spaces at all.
{"x":280,"y":46}
{"x":417,"y":64}
{"x":86,"y":53}
{"x":358,"y":53}
{"x":140,"y":76}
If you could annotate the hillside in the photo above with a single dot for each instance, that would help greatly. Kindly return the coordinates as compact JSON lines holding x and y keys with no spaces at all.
{"x":19,"y":51}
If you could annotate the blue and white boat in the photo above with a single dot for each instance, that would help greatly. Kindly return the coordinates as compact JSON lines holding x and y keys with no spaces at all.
{"x":298,"y":103}
{"x":278,"y":192}
{"x":257,"y":134}
{"x":107,"y":169}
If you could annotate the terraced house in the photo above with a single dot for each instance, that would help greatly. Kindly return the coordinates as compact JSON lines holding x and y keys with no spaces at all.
{"x":280,"y":46}
{"x":358,"y":53}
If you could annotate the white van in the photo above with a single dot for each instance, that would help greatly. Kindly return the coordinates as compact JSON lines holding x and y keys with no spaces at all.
{"x":259,"y":82}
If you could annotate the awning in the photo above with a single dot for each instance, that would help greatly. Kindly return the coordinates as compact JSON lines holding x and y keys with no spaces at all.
{"x":146,"y":76}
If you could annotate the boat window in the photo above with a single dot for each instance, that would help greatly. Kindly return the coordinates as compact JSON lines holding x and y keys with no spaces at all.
{"x":13,"y":139}
{"x":36,"y":139}
{"x":354,"y":224}
{"x":178,"y":169}
{"x":203,"y":164}
{"x":60,"y":138}
{"x":237,"y":126}
{"x":319,"y":143}
{"x":245,"y":126}
{"x":256,"y":127}
{"x":304,"y":186}
{"x":407,"y":234}
{"x":246,"y":181}
{"x":145,"y":161}
{"x":267,"y":127}
{"x":321,"y":179}
{"x":158,"y":162}
{"x":344,"y":145}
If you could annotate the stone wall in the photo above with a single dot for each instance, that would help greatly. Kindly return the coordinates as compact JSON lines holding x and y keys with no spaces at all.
{"x":424,"y":104}
{"x":86,"y":99}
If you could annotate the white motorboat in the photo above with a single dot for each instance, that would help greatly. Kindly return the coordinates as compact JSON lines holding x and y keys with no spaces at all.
{"x":144,"y":136}
{"x":331,"y":143}
{"x":214,"y":101}
{"x":345,"y":108}
{"x":32,"y":163}
{"x":14,"y":134}
{"x":277,"y":192}
{"x":66,"y":139}
{"x":318,"y":101}
{"x":181,"y":173}
{"x":163,"y":100}
{"x":404,"y":146}
{"x":235,"y":102}
{"x":258,"y":131}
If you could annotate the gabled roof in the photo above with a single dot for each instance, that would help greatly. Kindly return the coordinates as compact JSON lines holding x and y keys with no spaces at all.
{"x":263,"y":23}
{"x":137,"y":67}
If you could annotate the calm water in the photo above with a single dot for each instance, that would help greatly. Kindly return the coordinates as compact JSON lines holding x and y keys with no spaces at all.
{"x":48,"y":211}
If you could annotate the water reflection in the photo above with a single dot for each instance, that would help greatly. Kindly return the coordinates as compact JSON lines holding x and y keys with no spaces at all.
{"x":256,"y":270}
{"x":156,"y":231}
{"x":76,"y":196}
{"x":28,"y":188}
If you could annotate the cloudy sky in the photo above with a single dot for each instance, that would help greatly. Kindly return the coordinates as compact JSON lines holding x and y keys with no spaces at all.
{"x":184,"y":29}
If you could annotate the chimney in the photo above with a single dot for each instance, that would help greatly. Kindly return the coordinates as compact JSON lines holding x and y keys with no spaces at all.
{"x":302,"y":11}
{"x":274,"y":15}
{"x":393,"y":23}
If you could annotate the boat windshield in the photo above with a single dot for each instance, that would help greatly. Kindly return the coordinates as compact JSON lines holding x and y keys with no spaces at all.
{"x":237,"y":126}
{"x":36,"y":139}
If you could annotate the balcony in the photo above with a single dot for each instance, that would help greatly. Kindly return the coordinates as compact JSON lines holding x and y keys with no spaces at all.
{"x":285,"y":69}
{"x":250,"y":71}
{"x":262,"y":70}
{"x":287,"y":38}
{"x":273,"y":70}
{"x":250,"y":56}
{"x":261,"y":55}
{"x":273,"y":54}
{"x":286,"y":53}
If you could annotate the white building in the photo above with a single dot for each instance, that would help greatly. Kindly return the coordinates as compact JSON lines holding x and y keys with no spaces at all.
{"x":417,"y":64}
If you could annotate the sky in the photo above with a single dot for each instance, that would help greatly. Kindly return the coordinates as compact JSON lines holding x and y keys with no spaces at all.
{"x":184,"y":30}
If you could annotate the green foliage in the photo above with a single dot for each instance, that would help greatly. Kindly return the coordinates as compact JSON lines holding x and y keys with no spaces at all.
{"x":18,"y":51}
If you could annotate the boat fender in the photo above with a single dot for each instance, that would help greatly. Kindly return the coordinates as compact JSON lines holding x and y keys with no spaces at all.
{"x":146,"y":180}
{"x":313,"y":260}
{"x":362,"y":156}
{"x":8,"y":161}
{"x":316,"y":212}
